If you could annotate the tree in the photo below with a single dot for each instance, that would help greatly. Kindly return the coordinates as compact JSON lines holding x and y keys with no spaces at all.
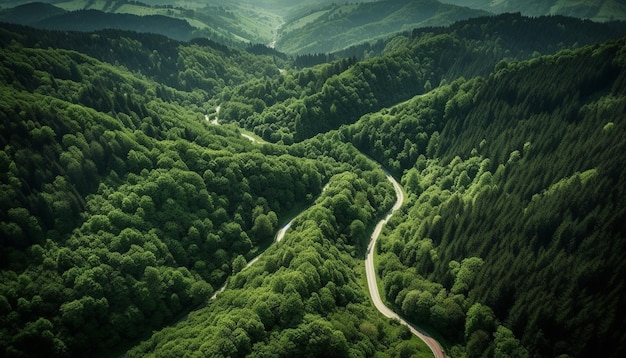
{"x":262,"y":229}
{"x":448,"y":317}
{"x":506,"y":345}
{"x":417,"y":305}
{"x":479,"y":317}
{"x":291,"y":309}
{"x":466,"y":274}
{"x":357,"y":232}
{"x":477,"y":343}
{"x":239,"y":263}
{"x":72,"y":314}
{"x":37,"y":339}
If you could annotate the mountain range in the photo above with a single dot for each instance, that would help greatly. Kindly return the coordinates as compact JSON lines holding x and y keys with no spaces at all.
{"x":597,"y":10}
{"x":303,"y":28}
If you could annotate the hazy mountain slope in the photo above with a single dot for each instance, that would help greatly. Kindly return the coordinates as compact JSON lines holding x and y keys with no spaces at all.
{"x":92,"y":20}
{"x":30,"y":14}
{"x":220,"y":20}
{"x":597,"y":10}
{"x":200,"y":65}
{"x":340,"y":26}
{"x":227,"y":22}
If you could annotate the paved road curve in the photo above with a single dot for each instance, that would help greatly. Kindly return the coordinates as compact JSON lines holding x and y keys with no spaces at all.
{"x":371,"y":277}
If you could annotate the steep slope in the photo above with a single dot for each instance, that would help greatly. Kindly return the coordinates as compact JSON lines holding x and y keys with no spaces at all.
{"x":303,"y":296}
{"x":337,"y":27}
{"x":122,"y":207}
{"x":235,"y":24}
{"x":92,"y":20}
{"x":516,"y":219}
{"x":200,"y":65}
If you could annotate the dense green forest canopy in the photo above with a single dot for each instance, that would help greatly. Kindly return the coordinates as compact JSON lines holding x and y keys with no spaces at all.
{"x":123,"y":206}
{"x":515,"y":183}
{"x":101,"y":190}
{"x":301,"y":104}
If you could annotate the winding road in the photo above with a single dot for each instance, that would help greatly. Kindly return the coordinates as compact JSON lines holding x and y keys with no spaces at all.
{"x":370,"y":272}
{"x":215,"y":121}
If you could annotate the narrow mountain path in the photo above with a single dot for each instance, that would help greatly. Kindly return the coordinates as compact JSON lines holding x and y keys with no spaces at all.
{"x":279,"y":236}
{"x":370,"y":272}
{"x":215,"y":121}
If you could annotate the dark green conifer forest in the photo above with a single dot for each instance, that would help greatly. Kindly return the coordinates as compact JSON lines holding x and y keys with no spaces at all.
{"x":140,"y":174}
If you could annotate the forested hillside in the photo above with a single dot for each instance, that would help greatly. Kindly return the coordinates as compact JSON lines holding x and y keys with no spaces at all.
{"x":121,"y":208}
{"x":124,"y":208}
{"x":128,"y":195}
{"x":224,"y":21}
{"x":303,"y":297}
{"x":516,"y":213}
{"x":301,"y":104}
{"x":201,"y":66}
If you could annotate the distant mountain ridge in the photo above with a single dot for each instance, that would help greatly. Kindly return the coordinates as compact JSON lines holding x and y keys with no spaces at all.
{"x":30,"y":13}
{"x":50,"y":17}
{"x":93,"y":20}
{"x":220,"y":21}
{"x":596,"y":10}
{"x":340,"y":26}
{"x":320,"y":26}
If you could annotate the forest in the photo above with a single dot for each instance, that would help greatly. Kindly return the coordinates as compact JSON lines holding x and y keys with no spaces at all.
{"x":129,"y":195}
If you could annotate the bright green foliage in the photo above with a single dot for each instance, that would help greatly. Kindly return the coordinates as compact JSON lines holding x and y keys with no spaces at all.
{"x":506,"y":345}
{"x":479,"y":318}
{"x":466,"y":274}
{"x":301,"y":299}
{"x":121,"y":208}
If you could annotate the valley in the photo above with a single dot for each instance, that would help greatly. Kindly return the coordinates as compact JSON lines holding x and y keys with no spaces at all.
{"x":320,"y":179}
